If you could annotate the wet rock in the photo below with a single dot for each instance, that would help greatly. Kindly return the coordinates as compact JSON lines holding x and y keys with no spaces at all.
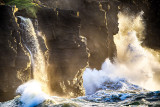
{"x":153,"y":25}
{"x":98,"y":25}
{"x":13,"y":58}
{"x":2,"y":2}
{"x":63,"y":4}
{"x":67,"y":53}
{"x":93,"y":23}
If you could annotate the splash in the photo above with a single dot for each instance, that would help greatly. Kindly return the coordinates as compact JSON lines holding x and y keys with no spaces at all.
{"x":133,"y":64}
{"x":33,"y":92}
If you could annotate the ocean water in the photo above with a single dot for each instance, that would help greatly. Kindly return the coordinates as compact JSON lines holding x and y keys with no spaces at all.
{"x":102,"y":98}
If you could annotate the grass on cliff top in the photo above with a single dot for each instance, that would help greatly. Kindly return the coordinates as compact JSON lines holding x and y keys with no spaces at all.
{"x":30,"y":7}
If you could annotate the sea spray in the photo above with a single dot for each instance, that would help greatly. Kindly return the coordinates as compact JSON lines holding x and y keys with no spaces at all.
{"x":31,"y":94}
{"x":133,"y":63}
{"x":139,"y":62}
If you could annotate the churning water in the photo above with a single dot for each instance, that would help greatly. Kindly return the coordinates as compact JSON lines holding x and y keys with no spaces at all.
{"x":133,"y":63}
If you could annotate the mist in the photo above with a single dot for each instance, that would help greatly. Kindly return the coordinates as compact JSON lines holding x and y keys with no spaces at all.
{"x":134,"y":63}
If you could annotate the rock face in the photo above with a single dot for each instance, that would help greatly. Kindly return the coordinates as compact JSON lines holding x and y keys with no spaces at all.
{"x":14,"y":60}
{"x":63,"y":4}
{"x":153,"y":24}
{"x":99,"y":24}
{"x":93,"y":23}
{"x":66,"y":50}
{"x":1,"y":2}
{"x":93,"y":27}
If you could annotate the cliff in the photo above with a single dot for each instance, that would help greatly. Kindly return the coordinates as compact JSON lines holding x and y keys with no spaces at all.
{"x":14,"y":59}
{"x":67,"y":54}
{"x":98,"y":24}
{"x":67,"y":51}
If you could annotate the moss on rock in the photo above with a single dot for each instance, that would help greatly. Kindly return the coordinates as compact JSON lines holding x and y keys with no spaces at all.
{"x":30,"y":6}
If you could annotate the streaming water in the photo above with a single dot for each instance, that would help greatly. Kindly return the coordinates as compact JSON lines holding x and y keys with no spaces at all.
{"x":31,"y":42}
{"x":38,"y":85}
{"x":113,"y":85}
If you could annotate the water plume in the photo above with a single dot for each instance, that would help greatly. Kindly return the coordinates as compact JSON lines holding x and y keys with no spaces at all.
{"x":30,"y":40}
{"x":33,"y":92}
{"x":133,"y":63}
{"x":139,"y":61}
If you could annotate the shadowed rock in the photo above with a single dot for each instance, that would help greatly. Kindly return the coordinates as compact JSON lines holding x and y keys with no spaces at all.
{"x":13,"y":58}
{"x":66,"y":50}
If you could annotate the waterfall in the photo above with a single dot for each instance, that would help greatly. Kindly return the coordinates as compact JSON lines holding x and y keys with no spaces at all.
{"x":34,"y":91}
{"x":30,"y":41}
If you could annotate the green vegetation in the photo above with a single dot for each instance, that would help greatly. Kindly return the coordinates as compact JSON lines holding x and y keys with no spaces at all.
{"x":30,"y":7}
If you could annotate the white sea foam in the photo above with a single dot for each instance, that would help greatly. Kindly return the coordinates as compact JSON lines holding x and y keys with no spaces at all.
{"x":31,"y":94}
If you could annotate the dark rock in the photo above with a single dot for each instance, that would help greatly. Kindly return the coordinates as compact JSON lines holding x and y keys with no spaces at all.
{"x":22,"y":13}
{"x":13,"y":58}
{"x":98,"y":25}
{"x":2,"y":2}
{"x":93,"y":25}
{"x":153,"y":25}
{"x":66,"y":50}
{"x":112,"y":25}
{"x":63,"y":4}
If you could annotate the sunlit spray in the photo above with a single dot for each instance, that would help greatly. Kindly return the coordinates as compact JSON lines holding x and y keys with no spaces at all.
{"x":139,"y":62}
{"x":32,"y":92}
{"x":133,"y":63}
